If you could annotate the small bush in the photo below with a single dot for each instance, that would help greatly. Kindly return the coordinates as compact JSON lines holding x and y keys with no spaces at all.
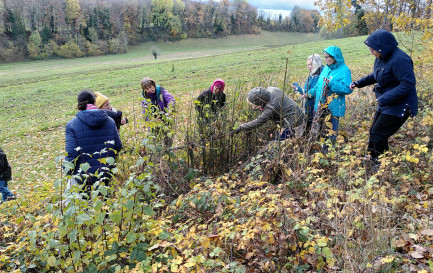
{"x":69,"y":51}
{"x":92,"y":49}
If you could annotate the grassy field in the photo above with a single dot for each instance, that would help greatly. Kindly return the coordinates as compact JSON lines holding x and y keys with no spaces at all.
{"x":37,"y":99}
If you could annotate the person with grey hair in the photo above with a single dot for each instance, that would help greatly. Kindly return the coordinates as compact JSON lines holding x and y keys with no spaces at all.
{"x":275,"y":106}
{"x":315,"y":67}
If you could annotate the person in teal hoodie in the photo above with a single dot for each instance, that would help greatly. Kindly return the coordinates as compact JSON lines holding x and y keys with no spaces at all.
{"x":340,"y":78}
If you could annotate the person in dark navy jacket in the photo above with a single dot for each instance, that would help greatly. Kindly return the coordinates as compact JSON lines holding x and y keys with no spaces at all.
{"x":395,"y":90}
{"x":91,"y":137}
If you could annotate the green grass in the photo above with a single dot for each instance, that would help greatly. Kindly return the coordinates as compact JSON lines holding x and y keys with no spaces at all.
{"x":37,"y":99}
{"x":141,"y":54}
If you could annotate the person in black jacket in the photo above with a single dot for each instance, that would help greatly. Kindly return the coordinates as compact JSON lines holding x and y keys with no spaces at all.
{"x":5,"y":176}
{"x":395,"y":90}
{"x":103,"y":103}
{"x":210,"y":101}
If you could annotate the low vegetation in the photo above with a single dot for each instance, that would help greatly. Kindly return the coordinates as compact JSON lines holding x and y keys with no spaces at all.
{"x":193,"y":207}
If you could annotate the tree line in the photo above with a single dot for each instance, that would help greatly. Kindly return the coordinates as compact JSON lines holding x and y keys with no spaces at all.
{"x":41,"y":29}
{"x":346,"y":18}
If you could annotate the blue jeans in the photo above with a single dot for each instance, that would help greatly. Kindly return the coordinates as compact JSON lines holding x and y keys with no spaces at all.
{"x":4,"y":190}
{"x":287,"y":133}
{"x":335,"y":121}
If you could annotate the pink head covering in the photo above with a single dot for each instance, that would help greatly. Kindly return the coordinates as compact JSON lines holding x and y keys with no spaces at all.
{"x":219,"y":84}
{"x":91,"y":107}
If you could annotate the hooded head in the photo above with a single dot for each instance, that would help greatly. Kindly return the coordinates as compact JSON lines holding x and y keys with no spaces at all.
{"x":335,"y":52}
{"x":259,"y":96}
{"x":100,"y":100}
{"x":220,"y":84}
{"x":382,"y":41}
{"x":85,"y":97}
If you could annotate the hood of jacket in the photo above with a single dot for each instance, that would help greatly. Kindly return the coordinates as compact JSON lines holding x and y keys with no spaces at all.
{"x":335,"y":52}
{"x":93,"y":118}
{"x":259,"y":96}
{"x":382,"y":41}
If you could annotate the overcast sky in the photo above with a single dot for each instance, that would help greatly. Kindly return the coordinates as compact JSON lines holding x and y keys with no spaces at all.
{"x":282,"y":4}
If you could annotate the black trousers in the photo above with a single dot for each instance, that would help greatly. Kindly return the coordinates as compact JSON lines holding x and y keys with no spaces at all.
{"x":382,"y":128}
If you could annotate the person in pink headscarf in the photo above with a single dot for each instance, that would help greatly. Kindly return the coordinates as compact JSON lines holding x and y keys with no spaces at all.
{"x":210,"y":101}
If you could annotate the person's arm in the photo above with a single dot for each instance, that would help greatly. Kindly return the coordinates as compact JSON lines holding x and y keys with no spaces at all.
{"x":167,"y":98}
{"x":201,"y":99}
{"x":71,"y":146}
{"x":117,"y":140}
{"x":116,"y":116}
{"x":262,"y":119}
{"x":298,"y":88}
{"x":403,"y":72}
{"x":341,"y":85}
{"x":312,"y":91}
{"x":365,"y":81}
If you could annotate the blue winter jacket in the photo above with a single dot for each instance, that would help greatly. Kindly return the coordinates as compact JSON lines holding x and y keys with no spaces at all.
{"x":340,"y":79}
{"x":90,"y":137}
{"x":393,"y":75}
{"x":310,"y":83}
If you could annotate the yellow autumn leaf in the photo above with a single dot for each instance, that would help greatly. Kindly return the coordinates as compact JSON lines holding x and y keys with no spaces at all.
{"x":387,"y":259}
{"x":205,"y":242}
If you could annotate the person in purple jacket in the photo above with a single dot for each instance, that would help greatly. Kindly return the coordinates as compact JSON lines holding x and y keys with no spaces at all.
{"x":395,"y":90}
{"x":90,"y":137}
{"x":157,"y":100}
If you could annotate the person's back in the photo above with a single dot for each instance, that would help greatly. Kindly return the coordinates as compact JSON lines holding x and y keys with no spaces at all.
{"x":90,"y":137}
{"x":293,"y":116}
{"x":274,"y":107}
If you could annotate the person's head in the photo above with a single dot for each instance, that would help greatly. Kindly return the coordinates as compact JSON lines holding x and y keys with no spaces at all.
{"x":102,"y":101}
{"x":329,"y":60}
{"x":258,"y":97}
{"x":314,"y":63}
{"x":381,"y":43}
{"x":148,"y":85}
{"x":85,"y":97}
{"x":333,"y":56}
{"x":217,"y":86}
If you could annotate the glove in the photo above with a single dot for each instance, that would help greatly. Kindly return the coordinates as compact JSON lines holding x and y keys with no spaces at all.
{"x":298,"y":88}
{"x":354,"y":84}
{"x":236,"y":131}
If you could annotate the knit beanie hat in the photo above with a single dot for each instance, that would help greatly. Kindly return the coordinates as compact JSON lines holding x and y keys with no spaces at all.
{"x":100,"y":99}
{"x":219,"y":84}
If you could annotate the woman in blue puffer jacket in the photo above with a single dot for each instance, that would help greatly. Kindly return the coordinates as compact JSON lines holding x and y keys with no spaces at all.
{"x":395,"y":90}
{"x":91,"y":137}
{"x":340,"y":78}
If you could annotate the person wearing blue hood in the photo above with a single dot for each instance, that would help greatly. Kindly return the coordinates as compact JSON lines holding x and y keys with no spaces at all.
{"x":395,"y":90}
{"x":338,"y":78}
{"x":90,"y":137}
